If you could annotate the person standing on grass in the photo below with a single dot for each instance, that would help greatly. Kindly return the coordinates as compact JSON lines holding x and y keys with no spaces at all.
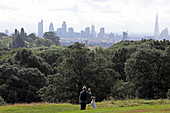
{"x":83,"y":97}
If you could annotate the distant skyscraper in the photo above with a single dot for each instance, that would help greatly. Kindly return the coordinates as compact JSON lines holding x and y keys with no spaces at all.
{"x":64,"y":30}
{"x":64,"y":26}
{"x":164,"y":34}
{"x":156,"y":31}
{"x":40,"y":29}
{"x":101,"y":34}
{"x":6,"y":32}
{"x":71,"y":33}
{"x":125,"y":35}
{"x":59,"y":32}
{"x":82,"y":34}
{"x":93,"y":32}
{"x":111,"y":36}
{"x":87,"y":32}
{"x":51,"y":27}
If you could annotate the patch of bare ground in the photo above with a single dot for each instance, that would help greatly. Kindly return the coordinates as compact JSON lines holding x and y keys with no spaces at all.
{"x":135,"y":111}
{"x":166,"y":109}
{"x":27,"y":104}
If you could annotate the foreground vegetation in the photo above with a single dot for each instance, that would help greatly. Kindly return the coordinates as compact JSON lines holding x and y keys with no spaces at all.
{"x":127,"y":70}
{"x":112,"y":106}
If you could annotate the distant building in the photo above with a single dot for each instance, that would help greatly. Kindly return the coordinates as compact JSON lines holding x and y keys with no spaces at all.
{"x":77,"y":35}
{"x":6,"y":32}
{"x":64,"y":26}
{"x":87,"y":32}
{"x":156,"y":30}
{"x":164,"y":34}
{"x":125,"y":36}
{"x":71,"y":33}
{"x":93,"y":32}
{"x":51,"y":27}
{"x":101,"y":34}
{"x":40,"y":29}
{"x":64,"y":30}
{"x":111,"y":36}
{"x":82,"y":34}
{"x":59,"y":32}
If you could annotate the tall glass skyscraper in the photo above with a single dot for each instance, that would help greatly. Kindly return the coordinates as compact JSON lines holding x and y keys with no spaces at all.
{"x":93,"y":32}
{"x":40,"y":29}
{"x":64,"y":30}
{"x":51,"y":27}
{"x":156,"y":31}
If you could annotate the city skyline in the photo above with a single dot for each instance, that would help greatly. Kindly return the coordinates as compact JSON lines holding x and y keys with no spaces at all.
{"x":115,"y":16}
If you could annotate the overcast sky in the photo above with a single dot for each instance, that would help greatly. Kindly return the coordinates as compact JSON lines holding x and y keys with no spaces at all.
{"x":134,"y":16}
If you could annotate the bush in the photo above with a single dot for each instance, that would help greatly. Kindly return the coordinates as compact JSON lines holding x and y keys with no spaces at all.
{"x":168,"y":94}
{"x":2,"y":102}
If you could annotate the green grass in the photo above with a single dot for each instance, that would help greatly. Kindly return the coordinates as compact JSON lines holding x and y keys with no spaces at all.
{"x":112,"y":106}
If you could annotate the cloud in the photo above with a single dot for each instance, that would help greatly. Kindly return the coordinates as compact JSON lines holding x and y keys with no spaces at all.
{"x":5,"y":7}
{"x":99,"y":0}
{"x":115,"y":14}
{"x":109,"y":11}
{"x":74,"y":9}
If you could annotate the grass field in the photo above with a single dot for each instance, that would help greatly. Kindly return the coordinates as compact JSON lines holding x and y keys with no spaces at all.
{"x":127,"y":106}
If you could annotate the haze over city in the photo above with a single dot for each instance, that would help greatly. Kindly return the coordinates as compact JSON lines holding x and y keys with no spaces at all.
{"x":115,"y":15}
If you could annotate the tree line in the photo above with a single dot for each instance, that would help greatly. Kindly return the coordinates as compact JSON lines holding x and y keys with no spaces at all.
{"x":128,"y":69}
{"x":21,"y":39}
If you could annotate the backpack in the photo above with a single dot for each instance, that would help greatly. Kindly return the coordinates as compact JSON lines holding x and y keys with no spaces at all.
{"x":83,"y":96}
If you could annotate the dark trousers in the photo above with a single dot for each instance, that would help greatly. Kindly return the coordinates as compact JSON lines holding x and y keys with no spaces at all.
{"x":83,"y":106}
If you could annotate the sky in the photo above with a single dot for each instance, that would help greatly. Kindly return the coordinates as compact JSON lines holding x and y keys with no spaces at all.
{"x":134,"y":16}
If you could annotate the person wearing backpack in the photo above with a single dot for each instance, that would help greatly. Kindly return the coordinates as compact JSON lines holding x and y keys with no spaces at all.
{"x":83,"y":97}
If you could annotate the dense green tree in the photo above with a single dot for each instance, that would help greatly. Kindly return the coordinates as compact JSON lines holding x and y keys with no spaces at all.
{"x":47,"y":42}
{"x":119,"y":58}
{"x":31,"y":80}
{"x":39,"y":42}
{"x":79,"y":67}
{"x":18,"y":42}
{"x":9,"y":82}
{"x":52,"y":57}
{"x":123,"y":90}
{"x":102,"y":76}
{"x":26,"y":59}
{"x":55,"y":89}
{"x":52,"y":36}
{"x":20,"y":85}
{"x":5,"y":41}
{"x":146,"y":70}
{"x":129,"y":69}
{"x":2,"y":44}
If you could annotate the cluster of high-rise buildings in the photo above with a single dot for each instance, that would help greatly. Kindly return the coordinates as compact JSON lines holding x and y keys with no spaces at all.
{"x":89,"y":34}
{"x":157,"y":35}
{"x":163,"y":35}
{"x":63,"y":32}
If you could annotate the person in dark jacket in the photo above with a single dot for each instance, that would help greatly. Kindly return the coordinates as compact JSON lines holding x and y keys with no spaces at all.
{"x":83,"y":97}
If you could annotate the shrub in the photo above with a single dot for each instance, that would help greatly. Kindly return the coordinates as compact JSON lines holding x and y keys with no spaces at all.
{"x":2,"y":102}
{"x":168,"y":94}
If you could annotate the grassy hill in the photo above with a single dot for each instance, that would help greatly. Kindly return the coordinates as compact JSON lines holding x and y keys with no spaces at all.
{"x":127,"y":106}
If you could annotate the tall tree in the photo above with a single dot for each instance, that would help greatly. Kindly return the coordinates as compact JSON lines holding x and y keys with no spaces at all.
{"x":52,"y":36}
{"x":146,"y":70}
